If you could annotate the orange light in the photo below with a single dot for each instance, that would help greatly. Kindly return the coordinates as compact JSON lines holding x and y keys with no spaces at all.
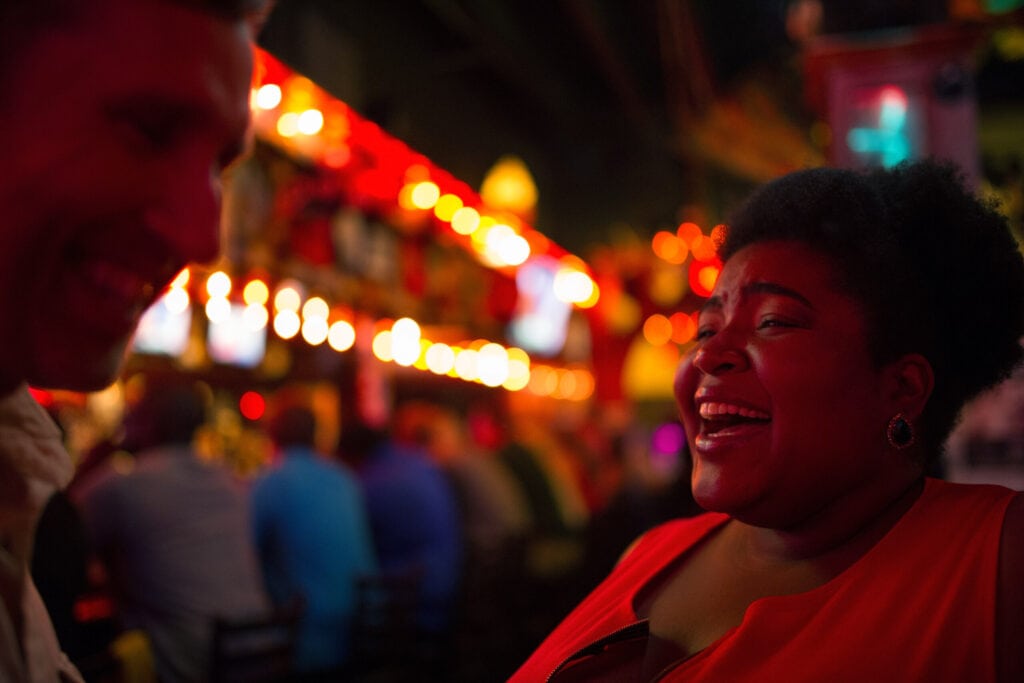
{"x":684,"y":327}
{"x":688,"y":233}
{"x":669,"y":247}
{"x":657,"y":330}
{"x":703,"y":249}
{"x":703,"y":277}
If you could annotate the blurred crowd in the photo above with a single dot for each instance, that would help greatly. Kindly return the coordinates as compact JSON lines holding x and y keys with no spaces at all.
{"x":442,"y":545}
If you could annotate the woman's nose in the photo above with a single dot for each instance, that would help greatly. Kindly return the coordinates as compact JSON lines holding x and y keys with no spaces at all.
{"x":718,"y":355}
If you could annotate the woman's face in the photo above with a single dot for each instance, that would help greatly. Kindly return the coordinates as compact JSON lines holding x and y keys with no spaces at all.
{"x":779,"y":398}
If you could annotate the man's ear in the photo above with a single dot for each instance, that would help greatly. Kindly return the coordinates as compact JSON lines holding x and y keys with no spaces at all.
{"x":909,"y":384}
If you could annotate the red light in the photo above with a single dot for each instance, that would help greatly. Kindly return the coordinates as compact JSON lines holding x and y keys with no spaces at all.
{"x":42,"y":397}
{"x":252,"y":405}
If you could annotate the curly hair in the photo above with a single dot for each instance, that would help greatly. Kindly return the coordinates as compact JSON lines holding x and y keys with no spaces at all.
{"x":935,"y":269}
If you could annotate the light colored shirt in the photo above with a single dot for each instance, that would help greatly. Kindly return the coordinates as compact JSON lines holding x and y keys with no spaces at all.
{"x":33,"y":464}
{"x":175,"y":534}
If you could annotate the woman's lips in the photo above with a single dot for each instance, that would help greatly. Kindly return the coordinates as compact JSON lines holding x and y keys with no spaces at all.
{"x":724,"y":424}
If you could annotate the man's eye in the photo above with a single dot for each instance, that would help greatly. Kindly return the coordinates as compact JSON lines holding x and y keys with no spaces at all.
{"x":158,"y":134}
{"x":704,"y":333}
{"x":769,"y":322}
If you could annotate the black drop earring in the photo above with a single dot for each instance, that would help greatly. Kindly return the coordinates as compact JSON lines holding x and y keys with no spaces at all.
{"x":900,"y":432}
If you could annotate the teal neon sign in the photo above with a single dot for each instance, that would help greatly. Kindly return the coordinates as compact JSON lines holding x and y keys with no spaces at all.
{"x":889,"y":139}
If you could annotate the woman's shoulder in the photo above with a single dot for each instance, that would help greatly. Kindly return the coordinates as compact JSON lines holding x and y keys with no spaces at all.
{"x":1010,"y":607}
{"x":676,"y":534}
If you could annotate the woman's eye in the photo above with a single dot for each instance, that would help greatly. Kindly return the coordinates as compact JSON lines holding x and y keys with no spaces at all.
{"x":704,"y":333}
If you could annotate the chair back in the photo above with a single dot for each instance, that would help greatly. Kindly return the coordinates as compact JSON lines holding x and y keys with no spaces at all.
{"x":255,"y":650}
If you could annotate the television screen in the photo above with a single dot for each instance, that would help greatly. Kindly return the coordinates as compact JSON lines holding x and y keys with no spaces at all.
{"x":163,"y":330}
{"x":234,"y":341}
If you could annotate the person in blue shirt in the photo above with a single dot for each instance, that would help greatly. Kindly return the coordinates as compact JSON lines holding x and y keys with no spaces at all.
{"x":313,"y":537}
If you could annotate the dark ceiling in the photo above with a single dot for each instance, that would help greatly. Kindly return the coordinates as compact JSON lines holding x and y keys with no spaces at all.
{"x":576,"y":88}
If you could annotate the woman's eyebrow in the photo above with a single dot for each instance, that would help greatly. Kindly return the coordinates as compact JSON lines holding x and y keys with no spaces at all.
{"x":775,"y":288}
{"x":715,"y":303}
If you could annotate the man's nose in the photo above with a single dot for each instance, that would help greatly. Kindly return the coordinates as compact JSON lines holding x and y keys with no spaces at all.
{"x":188,"y":215}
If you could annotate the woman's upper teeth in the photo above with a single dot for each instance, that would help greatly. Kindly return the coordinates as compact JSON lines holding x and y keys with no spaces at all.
{"x":713,"y":409}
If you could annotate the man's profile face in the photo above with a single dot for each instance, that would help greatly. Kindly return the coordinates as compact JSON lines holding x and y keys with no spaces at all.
{"x":114,"y":128}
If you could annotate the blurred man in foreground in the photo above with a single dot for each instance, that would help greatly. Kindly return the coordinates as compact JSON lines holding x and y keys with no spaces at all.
{"x":116,"y":120}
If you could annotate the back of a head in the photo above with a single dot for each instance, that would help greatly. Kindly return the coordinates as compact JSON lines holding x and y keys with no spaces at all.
{"x":293,"y":425}
{"x":935,"y":269}
{"x":170,"y":411}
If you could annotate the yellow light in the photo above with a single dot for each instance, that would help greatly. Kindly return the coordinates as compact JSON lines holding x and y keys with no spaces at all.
{"x":268,"y":96}
{"x":509,"y":185}
{"x":657,"y":330}
{"x":310,"y":122}
{"x":518,"y":375}
{"x":465,"y":365}
{"x":315,"y":307}
{"x":287,"y":324}
{"x":288,"y":125}
{"x":421,"y":359}
{"x":218,"y":309}
{"x":446,"y":207}
{"x":492,"y":365}
{"x":382,"y":346}
{"x":425,"y":195}
{"x":466,"y":220}
{"x":405,"y":341}
{"x":181,"y":279}
{"x":314,"y":330}
{"x":503,"y":246}
{"x":440,"y":358}
{"x":341,"y":335}
{"x":255,"y":317}
{"x":287,"y":299}
{"x":256,"y":292}
{"x":592,"y":300}
{"x":218,"y":285}
{"x":176,"y":300}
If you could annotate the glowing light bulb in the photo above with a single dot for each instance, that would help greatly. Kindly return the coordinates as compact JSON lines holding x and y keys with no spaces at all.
{"x":255,"y":317}
{"x":310,"y":122}
{"x":314,"y":330}
{"x":176,"y":300}
{"x":287,"y":324}
{"x":218,"y":310}
{"x":218,"y":284}
{"x":341,"y":335}
{"x":315,"y":307}
{"x":466,"y":220}
{"x":268,"y":96}
{"x":425,"y":195}
{"x":255,"y":292}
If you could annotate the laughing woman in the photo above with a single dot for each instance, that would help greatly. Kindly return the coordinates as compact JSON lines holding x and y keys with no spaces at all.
{"x":854,"y":317}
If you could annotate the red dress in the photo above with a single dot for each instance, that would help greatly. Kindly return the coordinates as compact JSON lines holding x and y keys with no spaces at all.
{"x":918,"y":606}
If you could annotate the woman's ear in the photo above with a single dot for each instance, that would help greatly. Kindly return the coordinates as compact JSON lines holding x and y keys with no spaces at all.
{"x":909,"y":384}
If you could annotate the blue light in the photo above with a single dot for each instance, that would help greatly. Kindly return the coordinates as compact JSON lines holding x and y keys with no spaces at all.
{"x":889,"y":139}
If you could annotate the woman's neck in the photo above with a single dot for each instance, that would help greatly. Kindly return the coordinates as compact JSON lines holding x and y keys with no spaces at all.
{"x":836,"y":536}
